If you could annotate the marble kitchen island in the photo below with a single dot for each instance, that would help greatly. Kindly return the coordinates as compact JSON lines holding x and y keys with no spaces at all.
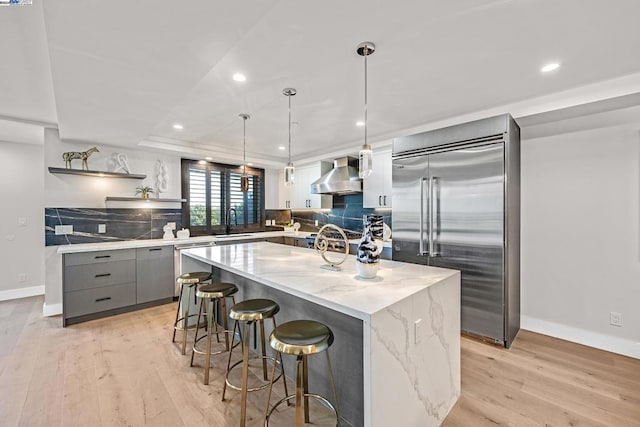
{"x":397,"y":348}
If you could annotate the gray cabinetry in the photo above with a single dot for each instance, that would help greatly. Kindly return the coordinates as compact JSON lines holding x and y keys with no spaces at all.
{"x":154,"y":270}
{"x":103,"y":283}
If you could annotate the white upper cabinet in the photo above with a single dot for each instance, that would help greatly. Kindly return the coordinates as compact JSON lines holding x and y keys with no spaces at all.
{"x":305,"y":176}
{"x":299,"y":195}
{"x":284,"y":192}
{"x":377,"y":186}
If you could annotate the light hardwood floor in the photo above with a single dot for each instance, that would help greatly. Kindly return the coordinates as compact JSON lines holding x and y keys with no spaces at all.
{"x":123,"y":371}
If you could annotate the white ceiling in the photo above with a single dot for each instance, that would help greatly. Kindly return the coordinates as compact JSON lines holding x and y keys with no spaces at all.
{"x":122,"y":73}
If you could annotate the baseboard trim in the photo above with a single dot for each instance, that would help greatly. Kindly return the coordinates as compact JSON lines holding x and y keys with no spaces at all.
{"x":51,"y":309}
{"x":31,"y":291}
{"x":617,"y":345}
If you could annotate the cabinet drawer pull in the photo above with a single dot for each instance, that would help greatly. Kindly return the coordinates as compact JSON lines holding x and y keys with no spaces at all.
{"x":102,"y":256}
{"x":103,"y":299}
{"x":155,"y":249}
{"x":385,"y":200}
{"x":379,"y":200}
{"x":103,"y":275}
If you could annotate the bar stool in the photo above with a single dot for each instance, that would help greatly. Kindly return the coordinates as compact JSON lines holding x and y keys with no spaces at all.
{"x":251,"y":312}
{"x":302,"y":338}
{"x":188,"y":282}
{"x":209,"y":294}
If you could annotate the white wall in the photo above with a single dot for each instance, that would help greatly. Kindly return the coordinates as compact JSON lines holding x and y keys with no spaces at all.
{"x":89,"y":192}
{"x":580,"y":236}
{"x":73,"y":191}
{"x":21,"y":192}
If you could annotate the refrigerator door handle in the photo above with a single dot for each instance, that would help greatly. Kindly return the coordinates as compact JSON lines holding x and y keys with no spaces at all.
{"x":433,"y":181}
{"x":422,"y":219}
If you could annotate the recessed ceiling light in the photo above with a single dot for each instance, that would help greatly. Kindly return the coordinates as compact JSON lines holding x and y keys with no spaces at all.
{"x":239,"y":77}
{"x":209,"y":158}
{"x":178,"y":126}
{"x":360,"y":123}
{"x":281,"y":147}
{"x":550,"y":67}
{"x":202,"y":162}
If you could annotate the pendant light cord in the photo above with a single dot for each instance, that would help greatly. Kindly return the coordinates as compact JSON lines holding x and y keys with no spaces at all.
{"x":244,"y":145}
{"x":366,"y":53}
{"x":289,"y":128}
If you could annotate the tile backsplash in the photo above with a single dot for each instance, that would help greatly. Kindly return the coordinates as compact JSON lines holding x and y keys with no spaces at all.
{"x":121,"y":224}
{"x":346,"y":213}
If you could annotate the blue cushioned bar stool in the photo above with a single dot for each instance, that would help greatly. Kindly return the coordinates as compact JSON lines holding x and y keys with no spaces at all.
{"x":209,"y":294}
{"x":252,"y":312}
{"x":188,"y":284}
{"x":302,"y":338}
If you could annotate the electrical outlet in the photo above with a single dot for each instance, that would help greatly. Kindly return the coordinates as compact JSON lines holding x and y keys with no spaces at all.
{"x":102,"y":228}
{"x":64,"y":229}
{"x":615,"y":318}
{"x":22,"y":277}
{"x":22,"y":222}
{"x":416,"y":331}
{"x":316,"y":222}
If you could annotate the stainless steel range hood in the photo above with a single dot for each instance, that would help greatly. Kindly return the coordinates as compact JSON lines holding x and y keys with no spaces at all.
{"x":342,"y":179}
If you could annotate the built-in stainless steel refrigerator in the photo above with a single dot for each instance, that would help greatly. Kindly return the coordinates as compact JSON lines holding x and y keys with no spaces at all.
{"x":456,"y":204}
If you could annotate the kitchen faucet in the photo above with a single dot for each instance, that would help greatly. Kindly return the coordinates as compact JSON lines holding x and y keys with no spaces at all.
{"x":227,"y":220}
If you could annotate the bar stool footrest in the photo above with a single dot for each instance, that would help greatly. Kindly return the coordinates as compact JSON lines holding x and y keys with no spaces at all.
{"x":261,"y":387}
{"x":235,"y":341}
{"x":182,"y":328}
{"x":311,"y":395}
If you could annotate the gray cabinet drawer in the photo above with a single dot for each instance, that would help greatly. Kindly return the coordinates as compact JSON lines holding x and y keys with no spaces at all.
{"x":79,"y":277}
{"x":154,"y":272}
{"x":90,"y":301}
{"x":99,"y":257}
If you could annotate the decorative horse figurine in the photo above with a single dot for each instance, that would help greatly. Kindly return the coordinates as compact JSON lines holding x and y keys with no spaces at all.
{"x":79,"y":155}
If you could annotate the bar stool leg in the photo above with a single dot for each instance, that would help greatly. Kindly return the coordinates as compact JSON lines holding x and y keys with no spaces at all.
{"x":210,"y":319}
{"x":245,"y":374}
{"x":185,"y":322}
{"x":305,"y":377}
{"x":333,"y":386}
{"x":264,"y":351}
{"x":225,"y":324}
{"x":273,"y":373}
{"x":224,"y":387}
{"x":299,"y":390}
{"x":284,"y":377}
{"x":195,"y":338}
{"x":177,"y":314}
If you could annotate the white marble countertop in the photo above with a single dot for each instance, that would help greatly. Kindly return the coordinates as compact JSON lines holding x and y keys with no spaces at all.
{"x":129,"y":244}
{"x":298,"y":271}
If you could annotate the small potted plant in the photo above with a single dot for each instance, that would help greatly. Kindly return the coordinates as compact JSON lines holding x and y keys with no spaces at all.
{"x":144,"y":191}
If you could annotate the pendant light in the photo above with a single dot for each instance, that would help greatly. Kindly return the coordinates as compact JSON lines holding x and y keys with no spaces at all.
{"x":244,"y":178}
{"x":365,"y":155}
{"x":289,"y":169}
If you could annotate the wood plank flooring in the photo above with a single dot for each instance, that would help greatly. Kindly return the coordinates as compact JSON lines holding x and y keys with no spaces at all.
{"x":124,"y":371}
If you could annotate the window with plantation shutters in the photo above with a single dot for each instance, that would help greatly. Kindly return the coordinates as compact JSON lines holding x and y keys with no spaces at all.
{"x":197,"y":197}
{"x":212,"y":189}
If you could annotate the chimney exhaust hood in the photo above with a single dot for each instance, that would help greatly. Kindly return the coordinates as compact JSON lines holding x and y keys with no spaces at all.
{"x":342,"y":179}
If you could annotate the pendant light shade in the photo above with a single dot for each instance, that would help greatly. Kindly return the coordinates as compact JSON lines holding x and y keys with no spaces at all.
{"x":289,"y":170}
{"x":365,"y":155}
{"x":244,"y":178}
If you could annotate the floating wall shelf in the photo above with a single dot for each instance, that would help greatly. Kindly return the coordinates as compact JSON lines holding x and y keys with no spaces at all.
{"x":140,"y":199}
{"x":102,"y":174}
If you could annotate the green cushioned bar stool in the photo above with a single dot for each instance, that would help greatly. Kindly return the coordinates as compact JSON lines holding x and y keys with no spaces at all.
{"x":252,"y":312}
{"x":209,"y":294}
{"x":302,"y":338}
{"x":188,"y":284}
